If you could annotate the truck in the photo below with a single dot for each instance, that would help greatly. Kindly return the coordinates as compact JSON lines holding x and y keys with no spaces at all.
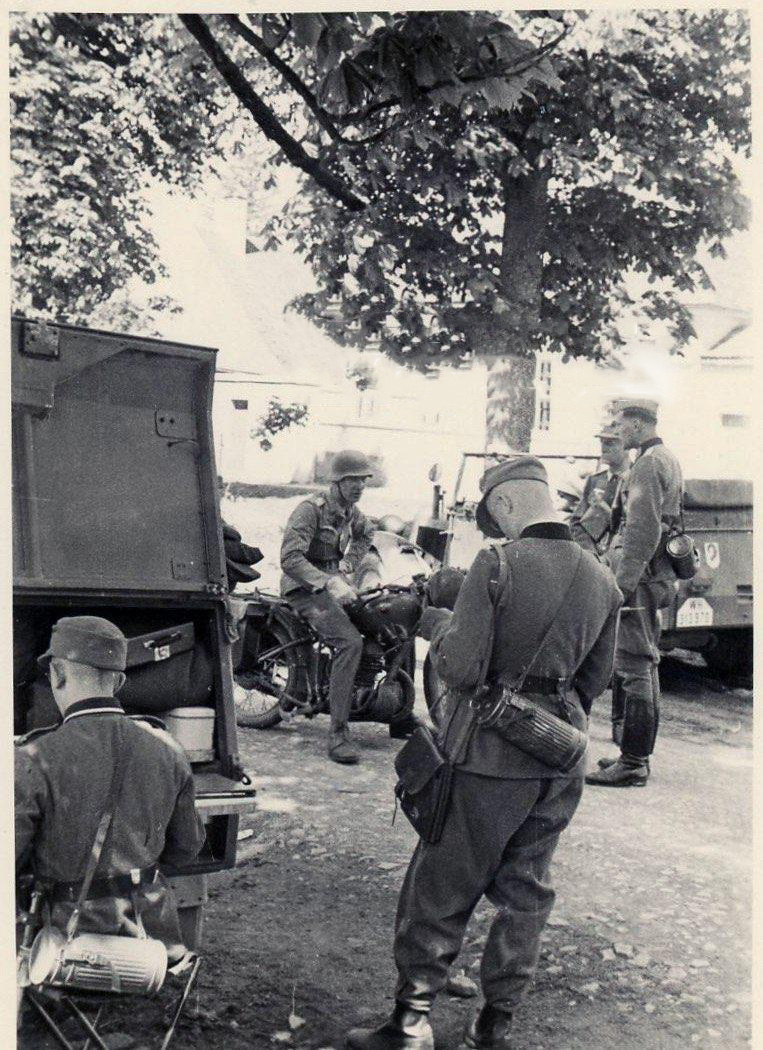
{"x":711,"y":614}
{"x":115,"y":513}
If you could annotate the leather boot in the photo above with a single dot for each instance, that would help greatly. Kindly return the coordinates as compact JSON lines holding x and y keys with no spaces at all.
{"x":341,"y":749}
{"x":622,"y":773}
{"x":605,"y":763}
{"x":489,"y":1030}
{"x":406,"y":1029}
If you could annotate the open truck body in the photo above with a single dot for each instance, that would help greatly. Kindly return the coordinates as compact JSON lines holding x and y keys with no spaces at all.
{"x":115,"y":513}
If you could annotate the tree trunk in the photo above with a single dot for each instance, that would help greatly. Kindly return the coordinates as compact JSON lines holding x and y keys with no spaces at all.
{"x":510,"y":378}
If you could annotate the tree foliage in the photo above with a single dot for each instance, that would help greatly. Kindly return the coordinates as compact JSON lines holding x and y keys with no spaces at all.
{"x":100,"y":108}
{"x":474,"y":183}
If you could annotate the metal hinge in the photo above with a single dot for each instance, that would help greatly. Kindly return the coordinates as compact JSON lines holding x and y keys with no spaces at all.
{"x":40,"y":340}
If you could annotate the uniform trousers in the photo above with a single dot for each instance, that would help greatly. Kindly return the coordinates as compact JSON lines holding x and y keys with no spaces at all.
{"x":497,"y":842}
{"x":334,"y":627}
{"x":636,"y":695}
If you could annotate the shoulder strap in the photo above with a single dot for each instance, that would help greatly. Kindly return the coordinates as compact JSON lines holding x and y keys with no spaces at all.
{"x":100,"y":838}
{"x":553,"y":620}
{"x":469,"y":722}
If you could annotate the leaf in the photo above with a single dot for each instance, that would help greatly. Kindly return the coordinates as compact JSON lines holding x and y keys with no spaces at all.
{"x":280,"y":1037}
{"x":308,"y":28}
{"x":501,"y":93}
{"x":295,"y":1021}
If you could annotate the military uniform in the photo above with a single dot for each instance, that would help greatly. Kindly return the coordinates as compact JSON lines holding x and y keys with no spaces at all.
{"x":590,"y":522}
{"x":648,"y":507}
{"x":324,"y":537}
{"x":62,"y":778}
{"x":507,"y":809}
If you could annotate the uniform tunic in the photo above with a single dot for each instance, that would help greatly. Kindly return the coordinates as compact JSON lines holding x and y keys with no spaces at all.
{"x":62,"y":780}
{"x":589,"y":522}
{"x":507,"y":809}
{"x":648,"y":506}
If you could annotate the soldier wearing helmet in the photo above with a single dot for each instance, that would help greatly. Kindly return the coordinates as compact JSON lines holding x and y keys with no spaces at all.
{"x":324,"y":541}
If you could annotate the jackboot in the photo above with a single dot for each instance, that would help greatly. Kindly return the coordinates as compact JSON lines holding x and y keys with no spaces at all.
{"x":605,"y":763}
{"x":490,"y":1029}
{"x":341,"y":748}
{"x":406,"y":1029}
{"x":622,"y":773}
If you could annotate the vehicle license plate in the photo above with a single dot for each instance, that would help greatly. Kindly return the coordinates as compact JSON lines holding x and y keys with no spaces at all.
{"x":695,"y":612}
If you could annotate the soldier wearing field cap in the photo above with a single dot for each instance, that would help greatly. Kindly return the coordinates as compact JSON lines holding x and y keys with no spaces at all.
{"x":647,"y":508}
{"x":62,"y":779}
{"x":324,"y":541}
{"x":591,"y":519}
{"x":507,"y":808}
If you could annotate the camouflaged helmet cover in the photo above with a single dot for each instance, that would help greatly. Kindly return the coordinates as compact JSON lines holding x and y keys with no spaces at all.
{"x":350,"y":464}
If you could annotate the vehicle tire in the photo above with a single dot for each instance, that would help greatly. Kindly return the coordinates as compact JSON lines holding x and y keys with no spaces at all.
{"x":731,"y":655}
{"x":258,"y":689}
{"x":433,"y":689}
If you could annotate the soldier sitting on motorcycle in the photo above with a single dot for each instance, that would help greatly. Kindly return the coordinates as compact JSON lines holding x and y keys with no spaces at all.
{"x":324,"y":541}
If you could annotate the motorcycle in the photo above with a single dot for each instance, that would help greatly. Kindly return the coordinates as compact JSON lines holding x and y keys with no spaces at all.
{"x":282,"y":667}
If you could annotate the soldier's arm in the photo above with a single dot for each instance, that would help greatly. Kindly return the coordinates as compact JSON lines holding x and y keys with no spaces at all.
{"x":643,"y":528}
{"x":185,"y":832}
{"x":29,"y":795}
{"x":298,"y":535}
{"x":461,"y":644}
{"x":580,"y":534}
{"x":595,"y":672}
{"x":361,"y":534}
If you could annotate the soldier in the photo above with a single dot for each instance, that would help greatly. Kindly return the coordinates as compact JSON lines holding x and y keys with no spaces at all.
{"x":506,"y":808}
{"x":648,"y":507}
{"x":325,"y":539}
{"x":62,"y":778}
{"x":590,"y":521}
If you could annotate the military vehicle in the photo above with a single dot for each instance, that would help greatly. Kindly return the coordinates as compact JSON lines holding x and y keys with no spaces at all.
{"x":711,"y":613}
{"x":115,"y":513}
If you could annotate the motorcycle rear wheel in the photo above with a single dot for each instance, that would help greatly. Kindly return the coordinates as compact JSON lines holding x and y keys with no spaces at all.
{"x":258,"y":692}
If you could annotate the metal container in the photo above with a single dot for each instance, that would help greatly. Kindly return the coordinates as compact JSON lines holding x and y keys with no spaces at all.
{"x":98,"y":962}
{"x":193,"y":728}
{"x":683,"y":556}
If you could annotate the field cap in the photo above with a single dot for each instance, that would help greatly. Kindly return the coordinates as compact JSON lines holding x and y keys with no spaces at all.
{"x":609,"y":433}
{"x":90,"y":640}
{"x":520,"y":468}
{"x":638,"y":406}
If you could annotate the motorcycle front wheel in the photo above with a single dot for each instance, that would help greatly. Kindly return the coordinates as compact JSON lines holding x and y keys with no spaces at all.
{"x":260,"y":688}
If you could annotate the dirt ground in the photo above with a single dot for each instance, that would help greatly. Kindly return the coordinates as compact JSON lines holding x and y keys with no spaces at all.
{"x":647,"y":946}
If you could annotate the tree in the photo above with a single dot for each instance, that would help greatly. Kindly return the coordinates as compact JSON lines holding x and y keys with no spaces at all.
{"x":506,"y":220}
{"x":483,"y":184}
{"x":100,"y":107}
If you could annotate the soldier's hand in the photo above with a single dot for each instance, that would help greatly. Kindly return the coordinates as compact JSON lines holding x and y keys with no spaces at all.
{"x":340,"y":590}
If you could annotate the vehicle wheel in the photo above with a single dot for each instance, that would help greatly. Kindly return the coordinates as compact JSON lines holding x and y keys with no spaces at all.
{"x":731,"y":654}
{"x":258,"y":690}
{"x":433,"y":689}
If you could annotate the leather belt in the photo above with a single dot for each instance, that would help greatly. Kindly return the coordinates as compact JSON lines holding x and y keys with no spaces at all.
{"x":545,"y":686}
{"x":108,"y":886}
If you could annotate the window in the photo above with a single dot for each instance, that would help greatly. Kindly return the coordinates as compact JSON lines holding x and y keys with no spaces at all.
{"x":544,"y":414}
{"x":240,"y":404}
{"x":734,"y":421}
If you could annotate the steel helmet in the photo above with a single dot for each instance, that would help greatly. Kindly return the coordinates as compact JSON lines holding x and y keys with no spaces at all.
{"x":350,"y":464}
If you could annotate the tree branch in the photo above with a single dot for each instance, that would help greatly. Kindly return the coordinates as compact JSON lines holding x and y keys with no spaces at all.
{"x":516,"y":70}
{"x":264,"y":117}
{"x":290,"y":76}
